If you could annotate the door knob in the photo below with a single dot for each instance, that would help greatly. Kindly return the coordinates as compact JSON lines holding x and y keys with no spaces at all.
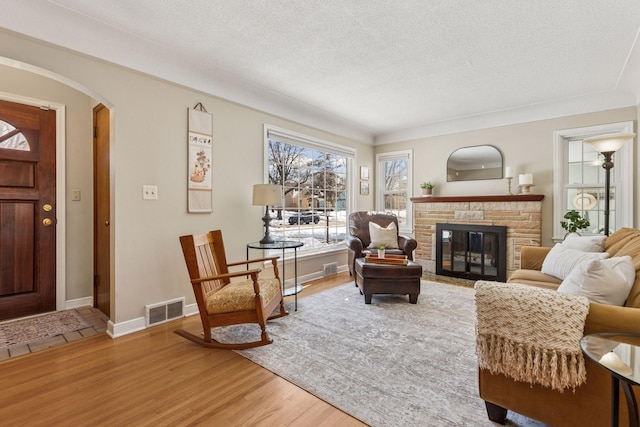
{"x":47,"y":222}
{"x":106,"y":223}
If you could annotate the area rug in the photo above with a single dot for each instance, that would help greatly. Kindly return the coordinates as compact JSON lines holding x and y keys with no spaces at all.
{"x":33,"y":329}
{"x":389,"y":363}
{"x":458,"y":281}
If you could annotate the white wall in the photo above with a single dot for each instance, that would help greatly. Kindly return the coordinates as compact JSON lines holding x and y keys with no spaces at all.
{"x":149,"y":123}
{"x":149,"y":137}
{"x":526,"y":147}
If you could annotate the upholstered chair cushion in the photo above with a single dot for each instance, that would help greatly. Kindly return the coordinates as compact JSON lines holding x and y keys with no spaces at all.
{"x":239,"y":296}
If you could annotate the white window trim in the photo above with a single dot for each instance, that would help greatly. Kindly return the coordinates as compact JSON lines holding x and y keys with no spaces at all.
{"x":624,"y":183}
{"x":396,"y":155}
{"x":300,"y":139}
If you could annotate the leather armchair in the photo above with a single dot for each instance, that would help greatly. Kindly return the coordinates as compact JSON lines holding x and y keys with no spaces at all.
{"x":359,"y":238}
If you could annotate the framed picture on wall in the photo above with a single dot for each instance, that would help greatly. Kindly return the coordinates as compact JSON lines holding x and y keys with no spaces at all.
{"x":200,"y":153}
{"x":364,"y":188}
{"x":364,"y":173}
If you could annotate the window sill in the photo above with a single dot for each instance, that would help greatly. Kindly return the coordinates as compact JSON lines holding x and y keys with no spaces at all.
{"x":311,"y":253}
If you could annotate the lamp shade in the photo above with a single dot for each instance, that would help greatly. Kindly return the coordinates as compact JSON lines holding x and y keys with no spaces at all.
{"x":610,"y":142}
{"x":267,"y":195}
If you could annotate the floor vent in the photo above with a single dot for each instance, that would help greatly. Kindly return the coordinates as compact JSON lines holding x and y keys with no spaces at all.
{"x":330,"y":269}
{"x":164,"y":311}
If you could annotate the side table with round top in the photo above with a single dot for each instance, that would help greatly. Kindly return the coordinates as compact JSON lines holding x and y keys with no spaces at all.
{"x":283,"y":244}
{"x":620,"y":355}
{"x":374,"y":278}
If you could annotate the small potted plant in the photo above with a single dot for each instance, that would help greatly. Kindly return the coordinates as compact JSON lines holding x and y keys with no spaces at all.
{"x":427,"y":188}
{"x":574,"y":222}
{"x":381,"y":251}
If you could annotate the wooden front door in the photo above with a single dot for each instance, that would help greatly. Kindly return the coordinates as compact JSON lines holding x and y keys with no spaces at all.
{"x":27,"y":210}
{"x":101,"y":211}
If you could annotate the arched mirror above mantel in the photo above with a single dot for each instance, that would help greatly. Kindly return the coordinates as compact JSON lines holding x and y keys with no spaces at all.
{"x":474,"y":163}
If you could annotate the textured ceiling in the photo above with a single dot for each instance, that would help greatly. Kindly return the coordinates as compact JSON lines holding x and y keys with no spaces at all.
{"x":365,"y":68}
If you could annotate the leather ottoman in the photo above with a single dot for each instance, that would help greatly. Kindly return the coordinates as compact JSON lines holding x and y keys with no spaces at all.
{"x":388,"y":279}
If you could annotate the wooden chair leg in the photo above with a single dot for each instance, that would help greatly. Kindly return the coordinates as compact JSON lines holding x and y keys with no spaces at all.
{"x":283,"y":312}
{"x":264,"y":335}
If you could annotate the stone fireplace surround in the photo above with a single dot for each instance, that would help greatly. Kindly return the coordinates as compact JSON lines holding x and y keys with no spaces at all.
{"x":520,"y":213}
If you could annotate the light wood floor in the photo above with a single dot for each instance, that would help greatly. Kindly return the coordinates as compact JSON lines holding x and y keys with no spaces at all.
{"x":154,"y":377}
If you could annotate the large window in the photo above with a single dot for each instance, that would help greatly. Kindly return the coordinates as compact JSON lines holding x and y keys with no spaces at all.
{"x":315,"y":177}
{"x":580,"y":184}
{"x":394,"y":186}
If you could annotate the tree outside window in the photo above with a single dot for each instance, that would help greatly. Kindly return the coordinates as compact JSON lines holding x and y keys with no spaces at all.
{"x":315,"y":193}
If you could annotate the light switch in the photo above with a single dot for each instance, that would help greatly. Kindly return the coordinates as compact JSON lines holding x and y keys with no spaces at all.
{"x":150,"y":192}
{"x":75,"y":195}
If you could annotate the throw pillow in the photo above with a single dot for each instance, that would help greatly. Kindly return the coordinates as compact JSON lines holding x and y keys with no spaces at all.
{"x":387,"y":237}
{"x":607,"y":281}
{"x":561,"y":260}
{"x":585,"y":243}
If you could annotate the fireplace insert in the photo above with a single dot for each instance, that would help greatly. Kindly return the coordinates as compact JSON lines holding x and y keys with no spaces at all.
{"x":469,"y":251}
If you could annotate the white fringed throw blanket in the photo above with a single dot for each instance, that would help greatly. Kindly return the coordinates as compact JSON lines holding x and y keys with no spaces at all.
{"x":531,"y":334}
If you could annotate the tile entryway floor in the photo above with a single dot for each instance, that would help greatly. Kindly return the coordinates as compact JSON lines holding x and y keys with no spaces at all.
{"x":93,"y":316}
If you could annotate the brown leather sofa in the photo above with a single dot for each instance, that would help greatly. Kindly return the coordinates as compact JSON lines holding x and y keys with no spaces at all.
{"x":359,"y":238}
{"x":590,"y":404}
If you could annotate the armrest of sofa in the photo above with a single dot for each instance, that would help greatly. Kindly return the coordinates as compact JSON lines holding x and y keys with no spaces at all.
{"x":532,"y":257}
{"x":611,"y":318}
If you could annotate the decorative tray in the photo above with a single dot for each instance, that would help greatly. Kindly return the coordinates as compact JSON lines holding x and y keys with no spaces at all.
{"x":388,"y":259}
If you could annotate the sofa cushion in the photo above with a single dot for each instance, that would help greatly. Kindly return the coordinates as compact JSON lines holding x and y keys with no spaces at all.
{"x":383,"y":236}
{"x":626,"y":241}
{"x":606,"y":281}
{"x":535,"y":278}
{"x":585,"y":243}
{"x":561,"y":260}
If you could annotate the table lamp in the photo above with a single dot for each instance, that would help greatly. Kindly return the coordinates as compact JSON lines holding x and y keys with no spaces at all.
{"x":607,"y":145}
{"x":267,"y":195}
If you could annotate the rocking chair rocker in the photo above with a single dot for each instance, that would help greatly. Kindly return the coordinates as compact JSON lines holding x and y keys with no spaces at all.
{"x":222,"y":302}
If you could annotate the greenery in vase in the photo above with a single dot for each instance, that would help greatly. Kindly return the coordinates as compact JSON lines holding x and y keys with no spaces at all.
{"x":381,"y":248}
{"x":427,"y":185}
{"x":574,"y":222}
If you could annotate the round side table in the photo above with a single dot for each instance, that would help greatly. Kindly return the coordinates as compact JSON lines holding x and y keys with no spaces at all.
{"x":620,"y":355}
{"x":284,"y":244}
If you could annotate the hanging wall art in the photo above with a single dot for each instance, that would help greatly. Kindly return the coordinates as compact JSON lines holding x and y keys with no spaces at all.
{"x":200,"y":143}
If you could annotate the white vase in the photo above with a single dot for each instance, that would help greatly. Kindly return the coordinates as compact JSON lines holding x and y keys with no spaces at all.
{"x":380,"y":253}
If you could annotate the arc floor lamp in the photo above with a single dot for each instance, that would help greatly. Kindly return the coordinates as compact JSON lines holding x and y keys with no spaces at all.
{"x":607,"y":145}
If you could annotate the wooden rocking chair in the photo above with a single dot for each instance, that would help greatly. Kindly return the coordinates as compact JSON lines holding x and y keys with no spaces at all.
{"x":223,"y":302}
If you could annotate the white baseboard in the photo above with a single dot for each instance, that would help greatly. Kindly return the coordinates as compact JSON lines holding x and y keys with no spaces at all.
{"x":317,"y":275}
{"x":115,"y":330}
{"x":190,"y":309}
{"x":79,"y":302}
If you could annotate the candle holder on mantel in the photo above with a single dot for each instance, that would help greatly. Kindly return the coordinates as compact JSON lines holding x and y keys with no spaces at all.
{"x":525,"y":181}
{"x":526,"y":188}
{"x":508,"y":173}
